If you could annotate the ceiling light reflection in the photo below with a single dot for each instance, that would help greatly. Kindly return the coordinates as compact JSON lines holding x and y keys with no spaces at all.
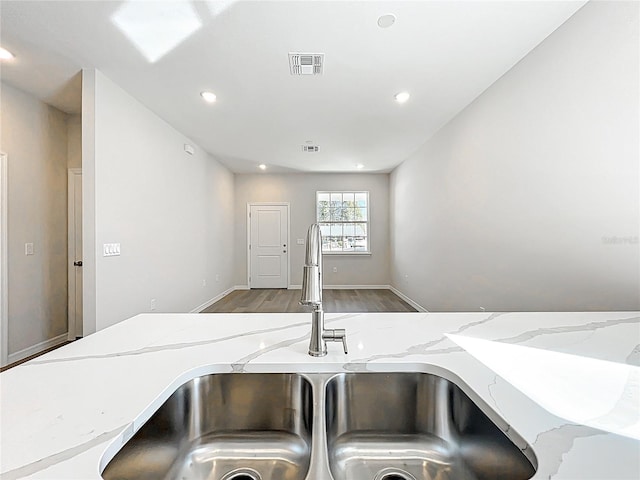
{"x":5,"y":54}
{"x":208,"y":96}
{"x":402,"y":97}
{"x":156,"y":28}
{"x":216,"y":7}
{"x":598,"y":393}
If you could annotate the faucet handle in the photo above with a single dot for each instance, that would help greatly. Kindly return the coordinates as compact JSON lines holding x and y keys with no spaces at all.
{"x":344,"y":343}
{"x":336,"y":335}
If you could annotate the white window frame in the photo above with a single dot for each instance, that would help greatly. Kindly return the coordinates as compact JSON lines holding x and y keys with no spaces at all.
{"x":367,"y":222}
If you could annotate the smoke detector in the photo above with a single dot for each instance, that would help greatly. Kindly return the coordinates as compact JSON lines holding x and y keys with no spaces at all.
{"x":309,"y":148}
{"x":306,"y":63}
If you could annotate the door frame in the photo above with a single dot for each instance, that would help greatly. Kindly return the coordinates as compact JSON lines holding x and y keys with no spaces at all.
{"x":262,"y":204}
{"x":4,"y":285}
{"x":72,"y":328}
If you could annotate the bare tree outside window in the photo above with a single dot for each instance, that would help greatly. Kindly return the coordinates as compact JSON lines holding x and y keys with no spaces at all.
{"x":344,"y":221}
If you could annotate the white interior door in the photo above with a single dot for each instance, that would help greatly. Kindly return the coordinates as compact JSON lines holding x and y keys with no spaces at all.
{"x":269,"y":246}
{"x":4,"y":307}
{"x":75,"y":253}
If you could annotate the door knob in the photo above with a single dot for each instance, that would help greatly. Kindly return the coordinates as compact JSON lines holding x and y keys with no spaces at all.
{"x":78,"y":263}
{"x":284,"y":251}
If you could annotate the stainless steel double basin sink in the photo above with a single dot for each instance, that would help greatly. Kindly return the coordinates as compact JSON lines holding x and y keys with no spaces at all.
{"x":346,"y":426}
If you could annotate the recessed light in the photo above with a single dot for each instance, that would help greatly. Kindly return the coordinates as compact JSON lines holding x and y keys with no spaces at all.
{"x":402,"y":97}
{"x":5,"y":54}
{"x":359,"y":166}
{"x":385,"y":21}
{"x":262,"y":166}
{"x":208,"y":96}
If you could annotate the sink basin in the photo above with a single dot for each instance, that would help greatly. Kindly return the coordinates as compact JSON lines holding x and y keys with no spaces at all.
{"x":270,"y":426}
{"x":224,"y":427}
{"x":413,"y":426}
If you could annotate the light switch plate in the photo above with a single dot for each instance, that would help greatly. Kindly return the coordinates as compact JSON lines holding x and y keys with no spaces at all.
{"x":28,"y":248}
{"x":300,"y":241}
{"x":110,"y":249}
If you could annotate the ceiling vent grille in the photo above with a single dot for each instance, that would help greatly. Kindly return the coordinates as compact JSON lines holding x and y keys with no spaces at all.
{"x":309,"y":148}
{"x":306,"y":63}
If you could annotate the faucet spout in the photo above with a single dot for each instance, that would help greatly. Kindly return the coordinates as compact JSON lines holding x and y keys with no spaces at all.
{"x":312,"y":296}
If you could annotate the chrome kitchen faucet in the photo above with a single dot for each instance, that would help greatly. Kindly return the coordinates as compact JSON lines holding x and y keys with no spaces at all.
{"x":312,"y":296}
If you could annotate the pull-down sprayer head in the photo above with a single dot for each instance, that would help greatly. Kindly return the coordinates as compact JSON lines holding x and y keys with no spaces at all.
{"x":312,"y":271}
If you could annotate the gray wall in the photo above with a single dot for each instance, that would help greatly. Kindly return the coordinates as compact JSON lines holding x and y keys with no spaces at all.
{"x":34,"y":137}
{"x":529,"y":199}
{"x":300,"y":191}
{"x":171,"y":212}
{"x":74,"y":141}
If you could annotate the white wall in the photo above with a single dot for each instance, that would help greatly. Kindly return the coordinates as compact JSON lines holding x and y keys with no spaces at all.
{"x":171,"y":212}
{"x":34,"y":136}
{"x":300,"y":191}
{"x":89,"y":249}
{"x":513,"y":204}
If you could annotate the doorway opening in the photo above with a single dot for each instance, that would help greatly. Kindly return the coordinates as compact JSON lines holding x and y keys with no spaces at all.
{"x":74,"y":257}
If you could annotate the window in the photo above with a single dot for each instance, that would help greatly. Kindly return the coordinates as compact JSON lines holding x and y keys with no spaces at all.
{"x":344,"y":221}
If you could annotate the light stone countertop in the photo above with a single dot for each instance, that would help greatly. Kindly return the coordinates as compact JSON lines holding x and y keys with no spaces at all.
{"x":568,"y":383}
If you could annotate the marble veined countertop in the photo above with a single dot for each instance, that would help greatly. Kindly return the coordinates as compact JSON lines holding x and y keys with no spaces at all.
{"x":567,"y":383}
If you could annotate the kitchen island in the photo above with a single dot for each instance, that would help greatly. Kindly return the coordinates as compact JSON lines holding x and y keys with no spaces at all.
{"x":566,"y":383}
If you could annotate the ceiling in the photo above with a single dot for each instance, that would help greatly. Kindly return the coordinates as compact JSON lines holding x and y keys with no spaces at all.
{"x":444,"y":53}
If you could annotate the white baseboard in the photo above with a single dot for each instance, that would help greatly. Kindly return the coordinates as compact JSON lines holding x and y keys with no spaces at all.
{"x":346,"y":287}
{"x":27,"y":352}
{"x":415,"y":305}
{"x":356,"y":287}
{"x":241,"y":287}
{"x":210,"y":302}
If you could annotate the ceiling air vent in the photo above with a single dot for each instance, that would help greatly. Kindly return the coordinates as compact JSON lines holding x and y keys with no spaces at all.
{"x":306,"y":63}
{"x":309,"y":148}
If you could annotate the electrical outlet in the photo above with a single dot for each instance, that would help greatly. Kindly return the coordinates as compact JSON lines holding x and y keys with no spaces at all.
{"x":406,"y":279}
{"x":153,"y":304}
{"x":300,"y":241}
{"x":335,"y":269}
{"x":204,"y":282}
{"x":217,"y":277}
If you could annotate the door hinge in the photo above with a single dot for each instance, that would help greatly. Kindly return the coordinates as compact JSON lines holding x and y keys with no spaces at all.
{"x":249,"y":246}
{"x":249,"y":278}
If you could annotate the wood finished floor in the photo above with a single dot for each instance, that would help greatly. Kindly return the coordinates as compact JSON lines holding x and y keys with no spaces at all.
{"x":280,"y":300}
{"x":286,"y":301}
